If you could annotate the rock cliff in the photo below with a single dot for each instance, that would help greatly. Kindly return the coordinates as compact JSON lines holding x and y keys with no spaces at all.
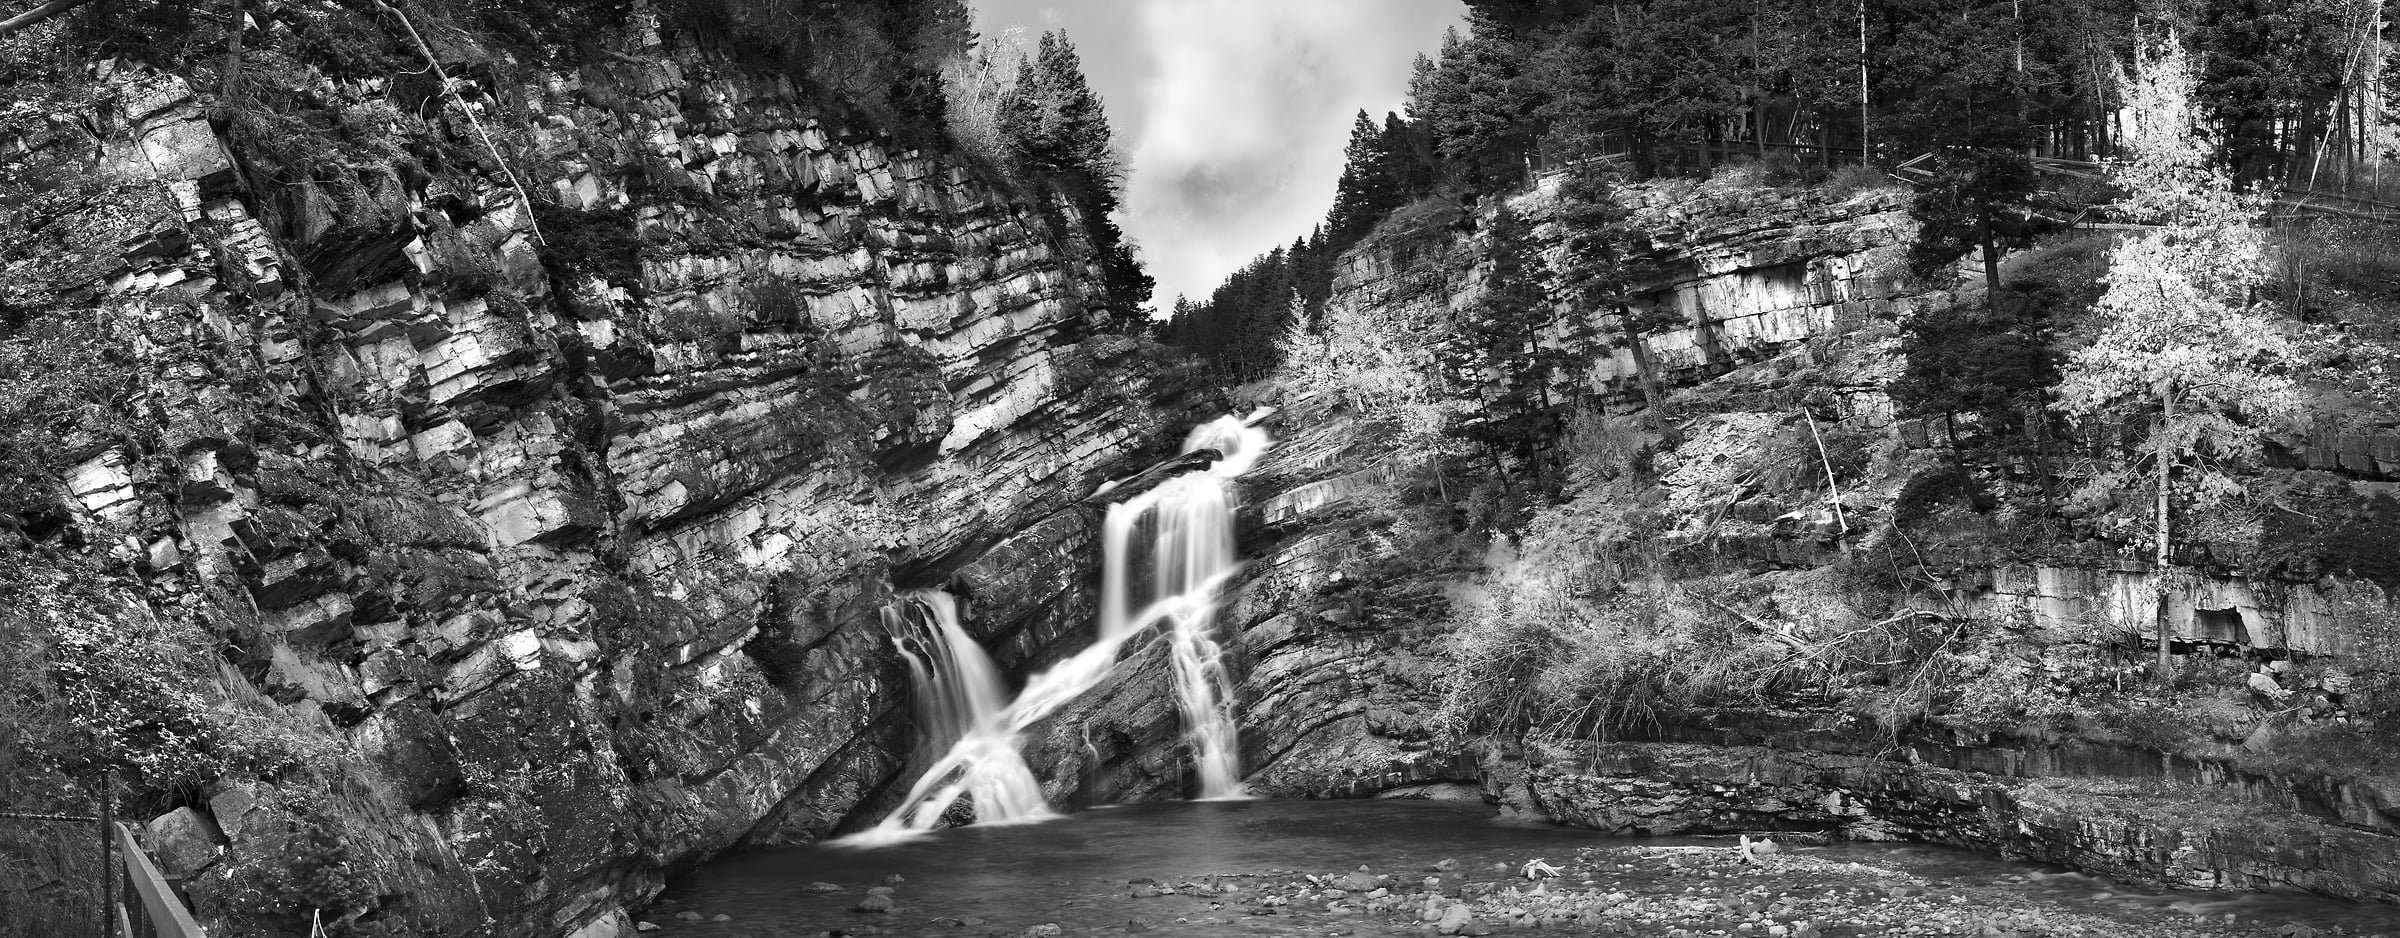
{"x":543,"y":504}
{"x":1789,"y":301}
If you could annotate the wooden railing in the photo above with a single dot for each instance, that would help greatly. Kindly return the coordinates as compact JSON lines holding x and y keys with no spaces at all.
{"x":160,"y":914}
{"x":151,"y":908}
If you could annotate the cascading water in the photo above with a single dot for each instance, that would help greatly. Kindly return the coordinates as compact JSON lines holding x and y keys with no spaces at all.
{"x":1190,"y":520}
{"x":1164,"y":554}
{"x":961,"y":702}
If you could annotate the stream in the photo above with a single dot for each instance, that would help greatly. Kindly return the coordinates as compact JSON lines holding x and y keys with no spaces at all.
{"x":1384,"y":867}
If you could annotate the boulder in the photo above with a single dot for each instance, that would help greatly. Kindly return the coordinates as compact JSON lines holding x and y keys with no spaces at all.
{"x":184,"y":841}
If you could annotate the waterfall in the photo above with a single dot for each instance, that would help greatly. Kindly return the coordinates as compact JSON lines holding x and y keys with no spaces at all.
{"x":1189,"y":520}
{"x":1165,"y":553}
{"x":961,"y":707}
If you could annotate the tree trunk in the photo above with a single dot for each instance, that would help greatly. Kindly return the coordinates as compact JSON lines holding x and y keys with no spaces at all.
{"x":1643,"y":370}
{"x":2166,"y":464}
{"x":1991,"y":269}
{"x":232,"y":85}
{"x":2041,"y":449}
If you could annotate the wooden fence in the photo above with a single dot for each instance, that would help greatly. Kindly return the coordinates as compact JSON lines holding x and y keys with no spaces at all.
{"x":151,"y":908}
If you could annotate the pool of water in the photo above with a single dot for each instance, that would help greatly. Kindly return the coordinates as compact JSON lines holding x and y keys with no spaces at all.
{"x":1287,"y":868}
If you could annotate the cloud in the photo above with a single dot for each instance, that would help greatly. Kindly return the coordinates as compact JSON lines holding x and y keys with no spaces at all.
{"x":1246,"y":109}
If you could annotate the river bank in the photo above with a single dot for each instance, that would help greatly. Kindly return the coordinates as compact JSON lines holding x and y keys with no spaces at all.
{"x":1416,"y":868}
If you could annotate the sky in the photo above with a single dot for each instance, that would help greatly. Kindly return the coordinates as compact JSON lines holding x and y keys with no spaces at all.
{"x":1234,"y":113}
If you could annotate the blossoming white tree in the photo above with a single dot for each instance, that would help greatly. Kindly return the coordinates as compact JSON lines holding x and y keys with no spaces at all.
{"x":2184,"y":340}
{"x":1376,"y":370}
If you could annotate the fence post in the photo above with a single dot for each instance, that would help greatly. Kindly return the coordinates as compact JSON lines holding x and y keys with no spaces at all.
{"x":108,"y":871}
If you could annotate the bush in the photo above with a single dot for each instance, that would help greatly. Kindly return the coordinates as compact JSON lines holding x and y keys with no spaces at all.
{"x":1855,"y":179}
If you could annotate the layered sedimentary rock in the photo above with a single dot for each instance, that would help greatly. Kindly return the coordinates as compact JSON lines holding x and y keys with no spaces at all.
{"x":1344,"y":658}
{"x":563,"y":528}
{"x":1343,"y":628}
{"x":2194,"y":832}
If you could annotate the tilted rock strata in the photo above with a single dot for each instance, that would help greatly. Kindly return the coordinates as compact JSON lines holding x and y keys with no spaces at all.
{"x":572,"y":526}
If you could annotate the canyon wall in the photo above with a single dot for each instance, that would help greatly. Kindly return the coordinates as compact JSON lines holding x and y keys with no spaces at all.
{"x":1790,"y":302}
{"x":546,"y":527}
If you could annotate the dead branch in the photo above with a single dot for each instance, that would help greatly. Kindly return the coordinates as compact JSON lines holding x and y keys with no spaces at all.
{"x":37,"y":14}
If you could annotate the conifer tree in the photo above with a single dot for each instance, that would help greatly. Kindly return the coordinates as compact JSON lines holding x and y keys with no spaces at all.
{"x":1058,"y":131}
{"x":1367,"y":190}
{"x":1497,"y":359}
{"x":1605,"y":256}
{"x":1476,"y":103}
{"x":1982,"y":200}
{"x":1414,"y":173}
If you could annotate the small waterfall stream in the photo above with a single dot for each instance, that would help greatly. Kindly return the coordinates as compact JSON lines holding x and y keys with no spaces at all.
{"x":961,"y":708}
{"x":1165,"y":554}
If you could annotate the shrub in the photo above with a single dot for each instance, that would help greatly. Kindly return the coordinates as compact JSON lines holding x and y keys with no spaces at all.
{"x":1854,"y":179}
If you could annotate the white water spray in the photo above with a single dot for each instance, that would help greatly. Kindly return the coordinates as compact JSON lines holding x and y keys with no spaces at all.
{"x":1164,"y":553}
{"x":1191,"y":521}
{"x":961,"y":703}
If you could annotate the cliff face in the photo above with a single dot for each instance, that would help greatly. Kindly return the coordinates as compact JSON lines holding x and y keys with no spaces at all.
{"x":557,"y":536}
{"x":1346,"y":656}
{"x":1714,"y":496}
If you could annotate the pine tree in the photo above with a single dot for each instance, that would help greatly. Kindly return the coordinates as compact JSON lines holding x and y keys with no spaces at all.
{"x":1058,"y":132}
{"x":1980,"y":199}
{"x":1497,"y":360}
{"x":1480,"y":110}
{"x":1605,"y":257}
{"x":1367,"y":190}
{"x":1414,"y":173}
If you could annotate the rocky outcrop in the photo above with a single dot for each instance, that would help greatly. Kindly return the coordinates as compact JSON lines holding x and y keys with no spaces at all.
{"x":1790,"y":304}
{"x":560,"y":525}
{"x":2184,"y":834}
{"x":1342,"y":642}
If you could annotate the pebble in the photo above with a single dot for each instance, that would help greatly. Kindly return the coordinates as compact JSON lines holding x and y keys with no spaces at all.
{"x":720,"y":918}
{"x":645,"y":926}
{"x":688,"y":916}
{"x":822,"y":887}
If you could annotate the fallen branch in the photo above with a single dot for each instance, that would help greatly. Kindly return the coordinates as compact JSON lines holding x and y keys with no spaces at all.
{"x":37,"y":14}
{"x":452,"y":89}
{"x":1834,"y":491}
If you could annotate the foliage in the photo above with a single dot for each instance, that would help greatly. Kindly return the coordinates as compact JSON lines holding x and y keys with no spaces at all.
{"x":2184,"y":342}
{"x":1056,"y":131}
{"x":1477,"y":105}
{"x":977,"y":86}
{"x":1980,"y":199}
{"x":595,"y":242}
{"x":1995,"y":362}
{"x":1378,"y":371}
{"x":1237,"y":331}
{"x":1605,"y":257}
{"x":1500,"y":361}
{"x":1373,"y":181}
{"x":887,"y":59}
{"x":1284,"y":291}
{"x":120,"y":687}
{"x":2278,"y":76}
